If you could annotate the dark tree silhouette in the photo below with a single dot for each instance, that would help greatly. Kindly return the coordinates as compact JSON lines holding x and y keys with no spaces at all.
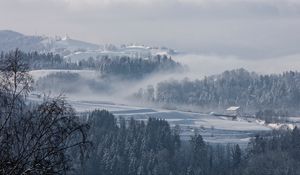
{"x":35,"y":139}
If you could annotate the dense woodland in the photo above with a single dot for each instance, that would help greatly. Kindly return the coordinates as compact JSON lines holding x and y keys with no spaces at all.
{"x":137,"y":68}
{"x":152,"y":147}
{"x":35,"y":60}
{"x":124,"y":67}
{"x":237,"y":87}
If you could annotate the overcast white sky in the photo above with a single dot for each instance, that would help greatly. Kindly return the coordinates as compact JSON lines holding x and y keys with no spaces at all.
{"x":245,"y":28}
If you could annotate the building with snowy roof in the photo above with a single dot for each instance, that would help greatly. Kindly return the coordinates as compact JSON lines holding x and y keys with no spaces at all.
{"x":234,"y":111}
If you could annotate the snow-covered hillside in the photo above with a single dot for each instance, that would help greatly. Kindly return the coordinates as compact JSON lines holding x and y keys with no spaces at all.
{"x":66,"y":46}
{"x":75,"y":50}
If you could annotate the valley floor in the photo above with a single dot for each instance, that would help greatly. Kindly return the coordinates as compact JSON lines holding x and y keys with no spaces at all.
{"x":213,"y":129}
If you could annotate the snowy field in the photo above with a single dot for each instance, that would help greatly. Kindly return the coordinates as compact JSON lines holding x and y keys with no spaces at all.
{"x":214,"y":129}
{"x":36,"y":74}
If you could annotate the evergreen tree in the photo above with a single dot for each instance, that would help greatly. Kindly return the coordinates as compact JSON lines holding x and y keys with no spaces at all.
{"x":296,"y":143}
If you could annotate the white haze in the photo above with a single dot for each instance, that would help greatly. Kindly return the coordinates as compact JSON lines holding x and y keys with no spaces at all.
{"x":205,"y":65}
{"x":198,"y":67}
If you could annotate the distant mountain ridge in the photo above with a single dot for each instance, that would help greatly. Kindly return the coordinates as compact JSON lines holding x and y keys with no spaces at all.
{"x":10,"y":40}
{"x":74,"y":49}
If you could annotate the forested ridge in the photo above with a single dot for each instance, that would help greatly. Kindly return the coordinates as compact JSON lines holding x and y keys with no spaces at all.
{"x":138,"y":68}
{"x":231,"y":88}
{"x":124,"y":67}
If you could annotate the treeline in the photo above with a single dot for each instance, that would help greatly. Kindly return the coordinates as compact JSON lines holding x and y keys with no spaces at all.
{"x":141,"y":148}
{"x":277,"y":154}
{"x":35,"y":60}
{"x":270,"y":115}
{"x":231,"y":88}
{"x":137,"y":68}
{"x":124,"y":67}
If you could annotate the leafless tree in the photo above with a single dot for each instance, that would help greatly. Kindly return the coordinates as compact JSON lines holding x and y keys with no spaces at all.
{"x":15,"y":84}
{"x":40,"y":139}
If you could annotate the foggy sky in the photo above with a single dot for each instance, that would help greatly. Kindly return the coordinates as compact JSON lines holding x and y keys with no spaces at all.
{"x":250,"y":29}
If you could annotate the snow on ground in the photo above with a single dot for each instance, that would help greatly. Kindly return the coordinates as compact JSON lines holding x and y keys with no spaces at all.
{"x":36,"y":74}
{"x":294,"y":119}
{"x":83,"y":106}
{"x":281,"y":125}
{"x":214,"y":129}
{"x":72,"y":45}
{"x":133,"y":51}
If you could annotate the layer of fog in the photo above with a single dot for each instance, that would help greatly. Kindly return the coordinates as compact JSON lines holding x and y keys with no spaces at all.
{"x":199,"y":66}
{"x":205,"y":65}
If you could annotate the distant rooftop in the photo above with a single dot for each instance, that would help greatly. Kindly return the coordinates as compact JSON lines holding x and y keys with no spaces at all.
{"x":233,"y":108}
